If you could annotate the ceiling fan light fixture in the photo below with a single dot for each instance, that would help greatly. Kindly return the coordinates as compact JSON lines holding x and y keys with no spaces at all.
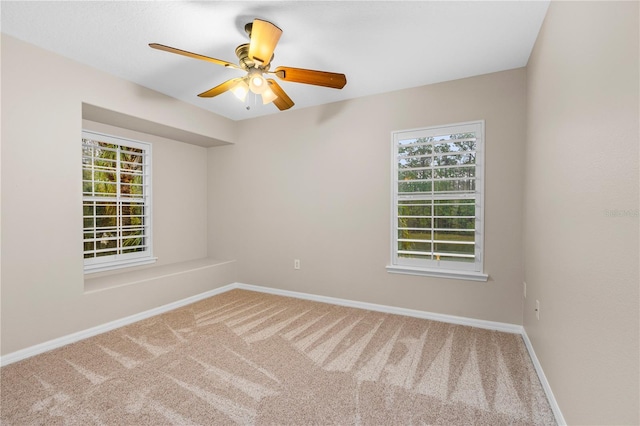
{"x":268,"y":96}
{"x":255,"y":58}
{"x":240,"y":90}
{"x":257,"y":83}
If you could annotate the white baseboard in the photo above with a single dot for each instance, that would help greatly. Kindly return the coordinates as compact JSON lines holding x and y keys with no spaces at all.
{"x":543,"y":380}
{"x":490,"y":325}
{"x":90,"y":332}
{"x":93,"y":331}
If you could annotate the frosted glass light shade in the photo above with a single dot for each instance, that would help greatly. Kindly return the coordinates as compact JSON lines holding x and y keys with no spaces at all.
{"x":240,"y":90}
{"x":257,"y":84}
{"x":268,"y":96}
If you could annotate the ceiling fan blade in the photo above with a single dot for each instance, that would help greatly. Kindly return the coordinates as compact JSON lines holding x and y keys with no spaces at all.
{"x":192,"y":55}
{"x":264,"y":37}
{"x":220,"y":88}
{"x":283,"y":101}
{"x":317,"y":78}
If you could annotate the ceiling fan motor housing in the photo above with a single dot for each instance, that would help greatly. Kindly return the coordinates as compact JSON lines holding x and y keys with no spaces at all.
{"x":245,"y":62}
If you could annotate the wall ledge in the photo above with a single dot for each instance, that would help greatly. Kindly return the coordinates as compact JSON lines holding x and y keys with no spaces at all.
{"x":121,"y":279}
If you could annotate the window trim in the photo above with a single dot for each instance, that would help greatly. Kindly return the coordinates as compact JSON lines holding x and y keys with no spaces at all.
{"x":453,"y":270}
{"x":95,"y":264}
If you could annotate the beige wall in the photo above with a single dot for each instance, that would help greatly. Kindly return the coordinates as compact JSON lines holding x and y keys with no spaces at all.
{"x":42,"y":273}
{"x":582,"y":164}
{"x":315,"y":188}
{"x":314,"y":184}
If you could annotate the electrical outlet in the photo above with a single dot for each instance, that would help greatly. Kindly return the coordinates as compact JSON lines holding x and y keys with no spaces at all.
{"x":537,"y":309}
{"x":524,"y":290}
{"x":296,"y":263}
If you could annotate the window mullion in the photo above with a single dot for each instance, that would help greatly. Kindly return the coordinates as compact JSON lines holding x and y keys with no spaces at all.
{"x":93,"y":170}
{"x":433,"y":212}
{"x":119,"y":200}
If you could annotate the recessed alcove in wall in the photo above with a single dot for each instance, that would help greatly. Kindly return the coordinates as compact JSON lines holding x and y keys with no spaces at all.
{"x":125,"y":121}
{"x":179,"y":207}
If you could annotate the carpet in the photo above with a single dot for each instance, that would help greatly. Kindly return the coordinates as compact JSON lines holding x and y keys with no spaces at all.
{"x":244,"y":357}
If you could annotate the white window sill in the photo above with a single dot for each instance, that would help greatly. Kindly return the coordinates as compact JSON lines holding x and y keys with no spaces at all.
{"x":90,"y":269}
{"x":438,"y":273}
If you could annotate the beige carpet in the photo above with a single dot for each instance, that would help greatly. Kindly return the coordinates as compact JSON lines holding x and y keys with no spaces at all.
{"x":250,"y":358}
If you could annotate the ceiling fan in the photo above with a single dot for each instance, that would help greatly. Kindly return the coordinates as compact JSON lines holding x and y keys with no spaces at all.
{"x":255,"y":58}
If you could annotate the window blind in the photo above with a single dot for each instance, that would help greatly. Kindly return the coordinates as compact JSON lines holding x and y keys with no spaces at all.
{"x":116,"y":200}
{"x":438,"y":197}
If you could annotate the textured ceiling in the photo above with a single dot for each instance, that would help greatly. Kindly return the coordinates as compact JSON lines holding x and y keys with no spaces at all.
{"x":380,"y":46}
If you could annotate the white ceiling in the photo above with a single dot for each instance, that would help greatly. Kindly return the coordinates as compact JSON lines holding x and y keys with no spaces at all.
{"x":380,"y":46}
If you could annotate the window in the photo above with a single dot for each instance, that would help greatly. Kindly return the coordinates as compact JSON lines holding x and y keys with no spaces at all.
{"x":438,"y":188}
{"x":116,"y":202}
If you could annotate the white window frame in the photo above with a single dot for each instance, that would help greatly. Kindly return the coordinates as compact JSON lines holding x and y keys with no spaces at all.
{"x":122,"y":260}
{"x":473,"y":271}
